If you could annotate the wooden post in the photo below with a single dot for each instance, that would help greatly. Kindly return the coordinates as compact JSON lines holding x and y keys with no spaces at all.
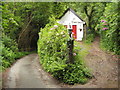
{"x":85,"y":32}
{"x":70,"y":44}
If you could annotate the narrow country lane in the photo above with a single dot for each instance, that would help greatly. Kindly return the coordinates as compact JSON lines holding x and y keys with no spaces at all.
{"x":27,"y":73}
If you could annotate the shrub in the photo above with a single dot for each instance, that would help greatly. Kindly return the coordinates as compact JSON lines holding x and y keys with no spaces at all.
{"x":109,"y":29}
{"x":89,"y":38}
{"x":52,"y":47}
{"x":53,"y":53}
{"x":9,"y":51}
{"x":76,"y":72}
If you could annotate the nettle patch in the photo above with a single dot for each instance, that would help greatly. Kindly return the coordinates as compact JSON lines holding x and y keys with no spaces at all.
{"x":53,"y":53}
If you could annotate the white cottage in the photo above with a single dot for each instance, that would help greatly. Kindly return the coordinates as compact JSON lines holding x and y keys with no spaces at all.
{"x":71,"y":20}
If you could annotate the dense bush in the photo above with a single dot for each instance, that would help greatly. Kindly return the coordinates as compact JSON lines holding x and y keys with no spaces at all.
{"x":76,"y":72}
{"x":11,"y":27}
{"x":109,"y":28}
{"x":90,"y":38}
{"x":53,"y":53}
{"x":52,"y":47}
{"x":9,"y":51}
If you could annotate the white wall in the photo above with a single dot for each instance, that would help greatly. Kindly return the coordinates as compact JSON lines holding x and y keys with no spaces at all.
{"x":79,"y":33}
{"x":71,"y":18}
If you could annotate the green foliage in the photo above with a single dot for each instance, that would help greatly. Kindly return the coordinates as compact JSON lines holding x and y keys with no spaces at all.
{"x":90,"y":38}
{"x":7,"y":55}
{"x":53,"y":53}
{"x":73,"y":73}
{"x":90,"y":13}
{"x":22,"y":21}
{"x":52,"y":47}
{"x":8,"y":42}
{"x":109,"y":29}
{"x":9,"y":21}
{"x":58,"y":9}
{"x":9,"y":51}
{"x":76,"y":72}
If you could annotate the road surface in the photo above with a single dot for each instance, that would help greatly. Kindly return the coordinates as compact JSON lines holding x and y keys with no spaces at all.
{"x":28,"y":73}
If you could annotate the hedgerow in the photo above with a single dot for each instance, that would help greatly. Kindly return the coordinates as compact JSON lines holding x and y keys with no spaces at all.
{"x":53,"y":54}
{"x":109,"y":28}
{"x":9,"y":51}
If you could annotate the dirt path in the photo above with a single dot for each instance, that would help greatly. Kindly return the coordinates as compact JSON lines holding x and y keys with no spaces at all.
{"x":104,"y":67}
{"x":28,"y":73}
